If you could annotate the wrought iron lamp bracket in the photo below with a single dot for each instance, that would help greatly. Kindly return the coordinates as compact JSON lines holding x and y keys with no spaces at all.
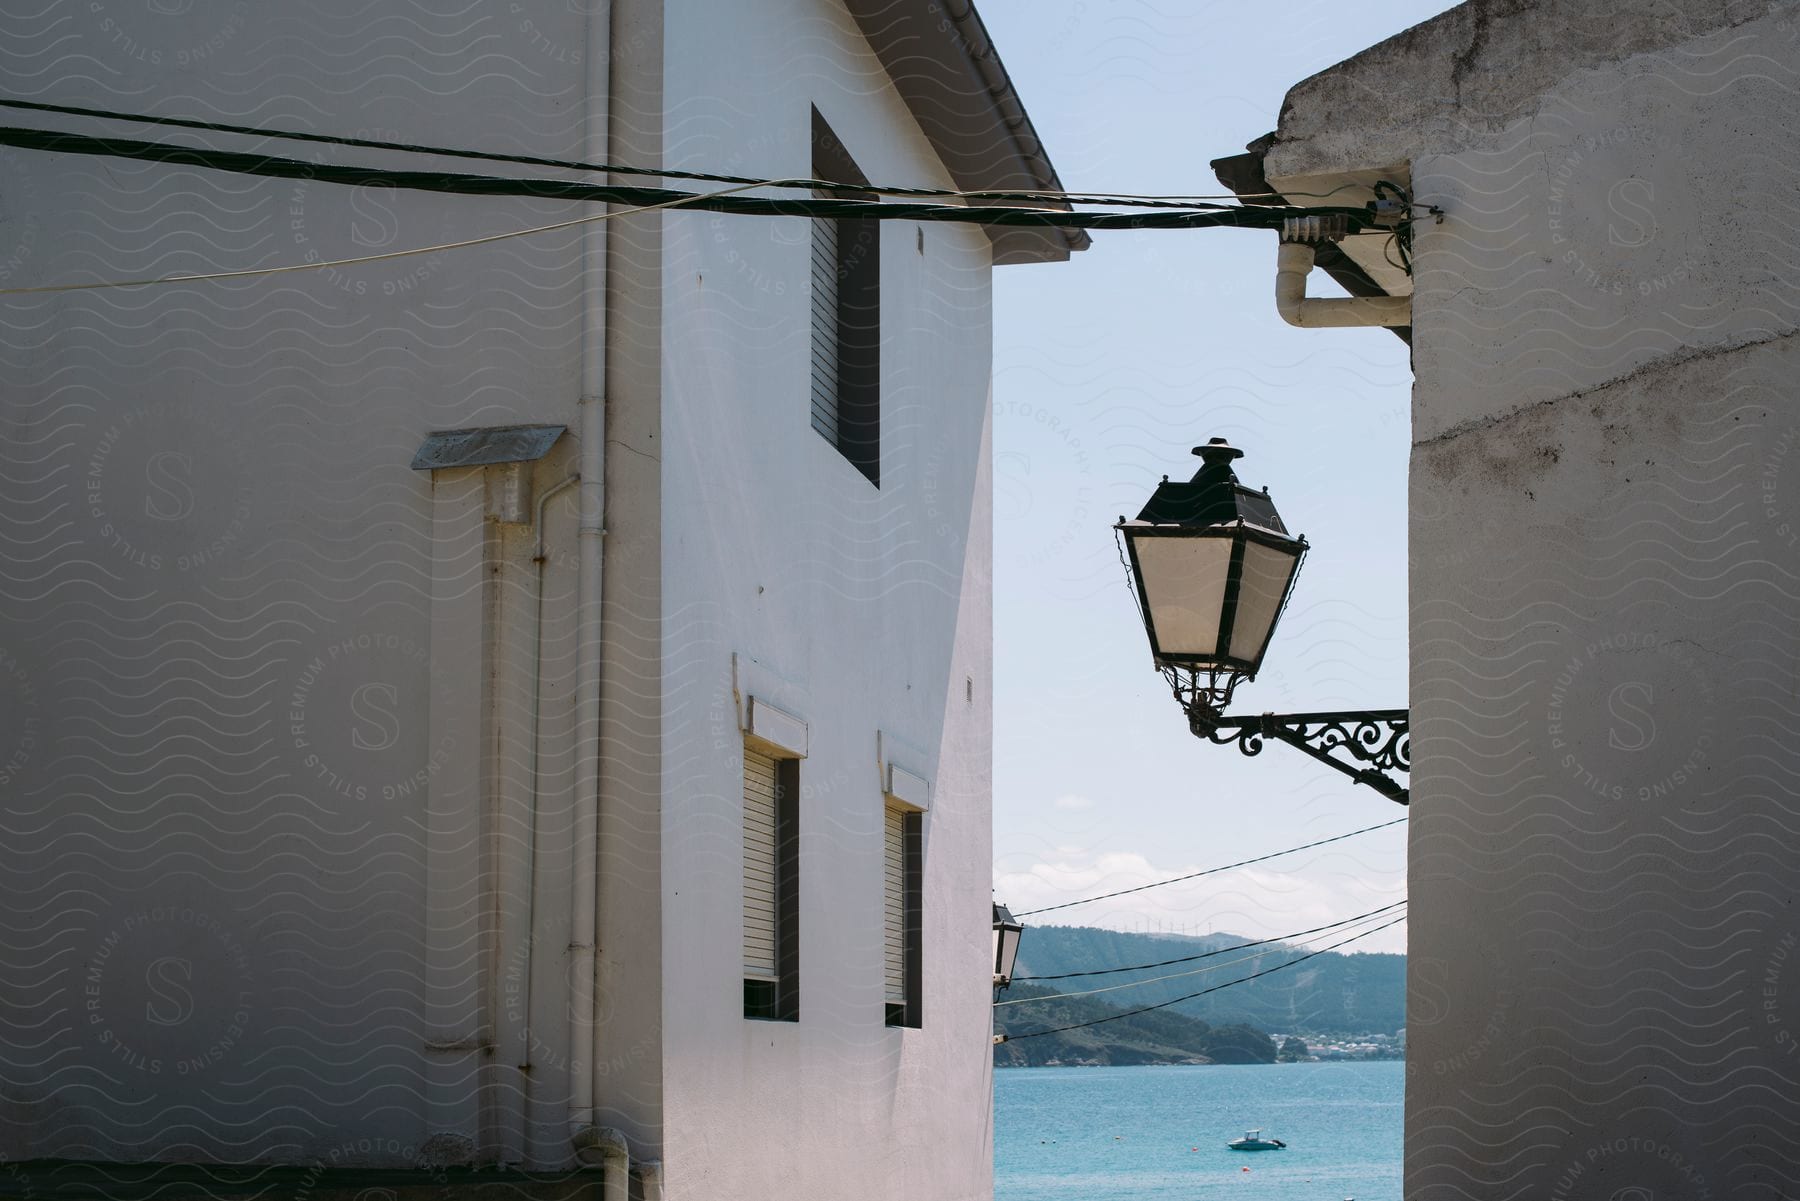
{"x":1379,"y":738}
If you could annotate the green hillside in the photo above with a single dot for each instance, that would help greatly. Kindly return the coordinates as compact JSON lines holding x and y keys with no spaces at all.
{"x":1160,"y":1037}
{"x":1332,"y":993}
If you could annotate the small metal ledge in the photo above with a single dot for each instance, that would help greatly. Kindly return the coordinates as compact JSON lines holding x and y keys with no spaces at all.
{"x":486,"y":445}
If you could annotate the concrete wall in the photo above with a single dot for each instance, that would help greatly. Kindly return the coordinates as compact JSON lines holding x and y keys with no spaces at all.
{"x":863,"y":610}
{"x":1602,"y":993}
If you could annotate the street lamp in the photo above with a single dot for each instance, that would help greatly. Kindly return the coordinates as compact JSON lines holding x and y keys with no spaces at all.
{"x":1213,"y":566}
{"x":1007,"y":933}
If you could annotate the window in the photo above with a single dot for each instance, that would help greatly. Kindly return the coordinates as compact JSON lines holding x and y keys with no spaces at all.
{"x":902,"y":888}
{"x":771,"y":887}
{"x":846,"y":315}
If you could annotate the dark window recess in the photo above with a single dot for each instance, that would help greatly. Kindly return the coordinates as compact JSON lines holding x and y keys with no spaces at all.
{"x":774,"y":994}
{"x":906,"y":835}
{"x":846,"y":313}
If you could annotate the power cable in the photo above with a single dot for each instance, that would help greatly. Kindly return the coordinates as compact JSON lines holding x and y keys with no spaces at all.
{"x":1106,"y":896}
{"x":1114,"y":1017}
{"x":1199,"y":971}
{"x":1242,"y":946}
{"x":1124,"y":200}
{"x":638,"y":200}
{"x":1092,"y":992}
{"x":1146,"y":200}
{"x":1218,"y":216}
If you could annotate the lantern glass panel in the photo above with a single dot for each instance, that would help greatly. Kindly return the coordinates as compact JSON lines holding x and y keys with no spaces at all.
{"x":1006,"y":951}
{"x":1184,"y":589}
{"x":1267,"y":572}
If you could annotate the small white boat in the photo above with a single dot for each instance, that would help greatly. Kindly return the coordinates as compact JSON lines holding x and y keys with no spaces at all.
{"x":1254,"y":1141}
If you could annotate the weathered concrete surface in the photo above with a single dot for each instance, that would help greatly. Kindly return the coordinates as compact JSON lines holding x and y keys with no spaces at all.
{"x":1605,"y":963}
{"x":1446,"y":82}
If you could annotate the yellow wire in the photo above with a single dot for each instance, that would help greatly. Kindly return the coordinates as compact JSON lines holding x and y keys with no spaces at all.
{"x":368,"y":258}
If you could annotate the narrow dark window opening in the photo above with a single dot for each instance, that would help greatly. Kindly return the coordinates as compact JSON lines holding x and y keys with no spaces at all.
{"x":903,"y":847}
{"x":771,"y":887}
{"x":846,"y":313}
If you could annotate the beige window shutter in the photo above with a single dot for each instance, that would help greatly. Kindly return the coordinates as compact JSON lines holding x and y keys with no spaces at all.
{"x":759,"y":865}
{"x":894,"y":903}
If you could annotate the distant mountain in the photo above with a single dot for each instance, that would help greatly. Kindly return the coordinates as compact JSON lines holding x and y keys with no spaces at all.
{"x":1332,"y":993}
{"x":1160,"y":1037}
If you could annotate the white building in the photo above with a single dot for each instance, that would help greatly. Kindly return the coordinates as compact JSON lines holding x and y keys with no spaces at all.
{"x":360,"y":816}
{"x":1603,"y":993}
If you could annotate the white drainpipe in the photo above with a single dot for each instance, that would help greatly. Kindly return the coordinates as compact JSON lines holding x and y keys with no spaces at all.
{"x":590,"y":1142}
{"x":536,"y":774}
{"x":1294,"y":263}
{"x":609,"y":1147}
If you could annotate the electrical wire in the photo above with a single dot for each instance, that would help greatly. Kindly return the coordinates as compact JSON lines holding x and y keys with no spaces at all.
{"x":1142,"y":967}
{"x":1172,"y":213}
{"x":1107,"y":896}
{"x":1230,"y":216}
{"x":1386,"y":253}
{"x":1092,"y":992}
{"x":1114,"y":1017}
{"x":1122,"y":200}
{"x":1401,"y":239}
{"x":1056,"y":195}
{"x":1199,"y":971}
{"x":367,"y":258}
{"x":638,"y":200}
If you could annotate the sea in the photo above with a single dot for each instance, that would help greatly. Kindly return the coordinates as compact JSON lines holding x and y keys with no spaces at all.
{"x":1159,"y":1133}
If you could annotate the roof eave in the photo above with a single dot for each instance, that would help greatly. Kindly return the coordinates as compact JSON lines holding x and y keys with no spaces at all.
{"x":946,"y":69}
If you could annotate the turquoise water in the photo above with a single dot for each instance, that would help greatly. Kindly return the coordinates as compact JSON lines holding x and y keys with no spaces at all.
{"x":1159,"y":1133}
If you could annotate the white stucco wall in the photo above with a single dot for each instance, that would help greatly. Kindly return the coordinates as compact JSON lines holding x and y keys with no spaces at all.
{"x":864,"y":610}
{"x":240,"y":841}
{"x":1602,"y":994}
{"x":265,"y":693}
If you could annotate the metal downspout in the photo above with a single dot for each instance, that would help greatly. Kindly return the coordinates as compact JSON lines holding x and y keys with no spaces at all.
{"x":589,"y":1142}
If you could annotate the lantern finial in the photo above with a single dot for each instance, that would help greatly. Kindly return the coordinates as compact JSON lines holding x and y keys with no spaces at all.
{"x":1218,"y":453}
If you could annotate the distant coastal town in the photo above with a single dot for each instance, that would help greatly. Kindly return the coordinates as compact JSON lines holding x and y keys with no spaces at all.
{"x":1316,"y":1047}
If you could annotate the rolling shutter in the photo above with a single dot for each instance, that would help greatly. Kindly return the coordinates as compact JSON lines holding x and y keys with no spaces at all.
{"x":759,"y":866}
{"x":825,"y":333}
{"x":894,"y":904}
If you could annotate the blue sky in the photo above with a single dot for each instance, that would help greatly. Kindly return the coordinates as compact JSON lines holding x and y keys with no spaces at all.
{"x":1107,"y":369}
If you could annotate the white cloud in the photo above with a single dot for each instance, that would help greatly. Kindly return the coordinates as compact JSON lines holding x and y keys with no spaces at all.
{"x":1071,"y":802}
